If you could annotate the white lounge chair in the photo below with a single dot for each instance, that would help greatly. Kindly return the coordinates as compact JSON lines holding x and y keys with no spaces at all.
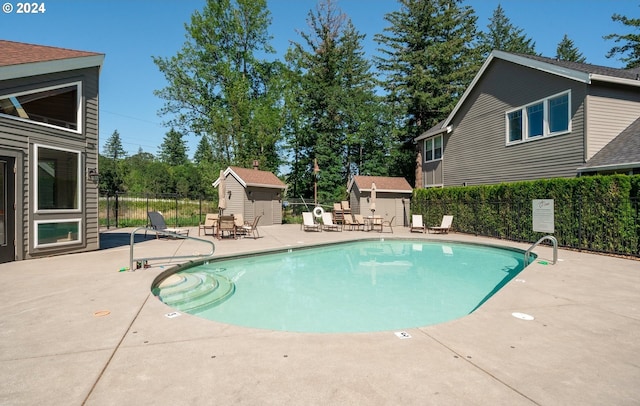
{"x":308,"y":223}
{"x":417,"y":224}
{"x":444,"y":227}
{"x":328,"y":224}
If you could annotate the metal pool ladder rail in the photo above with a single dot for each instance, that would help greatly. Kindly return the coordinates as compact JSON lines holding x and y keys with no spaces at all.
{"x":132,"y":260}
{"x":555,"y":248}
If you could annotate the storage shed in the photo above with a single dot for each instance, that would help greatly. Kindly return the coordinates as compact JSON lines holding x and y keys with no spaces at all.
{"x":393,"y":197}
{"x":48,"y":150}
{"x":252,"y":192}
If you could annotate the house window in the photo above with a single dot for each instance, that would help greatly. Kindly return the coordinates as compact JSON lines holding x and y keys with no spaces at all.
{"x":57,"y":232}
{"x":56,"y":106}
{"x":433,"y":149}
{"x":57,"y":179}
{"x":540,"y":119}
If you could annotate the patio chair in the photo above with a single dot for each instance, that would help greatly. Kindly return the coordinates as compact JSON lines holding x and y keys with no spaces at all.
{"x":444,"y":227}
{"x":328,"y":224}
{"x":358,"y":219}
{"x":252,"y":228}
{"x":210,"y":223}
{"x":157,"y":223}
{"x":417,"y":224}
{"x":238,"y":220}
{"x":375,"y":222}
{"x":308,"y":223}
{"x":387,"y":224}
{"x":227,"y":223}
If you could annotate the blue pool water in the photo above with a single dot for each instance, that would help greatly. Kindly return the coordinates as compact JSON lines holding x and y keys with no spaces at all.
{"x":348,"y":287}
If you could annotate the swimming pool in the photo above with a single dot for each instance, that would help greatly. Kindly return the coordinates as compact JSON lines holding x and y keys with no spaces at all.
{"x":363,"y":286}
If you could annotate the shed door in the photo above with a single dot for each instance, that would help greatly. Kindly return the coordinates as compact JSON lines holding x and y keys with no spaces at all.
{"x":263,"y":206}
{"x":7,"y":210}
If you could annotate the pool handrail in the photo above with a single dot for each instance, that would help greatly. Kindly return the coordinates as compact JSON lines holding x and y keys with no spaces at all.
{"x":132,"y":260}
{"x":553,"y":240}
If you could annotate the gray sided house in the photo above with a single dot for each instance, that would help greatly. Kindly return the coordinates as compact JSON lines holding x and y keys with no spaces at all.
{"x":527,"y":117}
{"x":252,"y":193}
{"x":393,"y":196}
{"x":48,"y":150}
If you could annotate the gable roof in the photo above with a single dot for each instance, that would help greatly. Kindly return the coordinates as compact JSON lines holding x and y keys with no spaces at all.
{"x":623,"y":152}
{"x":18,"y":59}
{"x":252,"y":177}
{"x":581,"y":72}
{"x":383,"y":184}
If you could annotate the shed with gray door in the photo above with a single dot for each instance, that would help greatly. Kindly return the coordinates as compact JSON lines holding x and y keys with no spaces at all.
{"x":393,"y":197}
{"x":252,"y":193}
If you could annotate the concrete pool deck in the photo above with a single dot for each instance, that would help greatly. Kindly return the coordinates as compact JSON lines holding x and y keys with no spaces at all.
{"x":74,"y":330}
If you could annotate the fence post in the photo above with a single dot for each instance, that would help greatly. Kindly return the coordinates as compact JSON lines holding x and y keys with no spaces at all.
{"x":116,"y":210}
{"x":108,"y":211}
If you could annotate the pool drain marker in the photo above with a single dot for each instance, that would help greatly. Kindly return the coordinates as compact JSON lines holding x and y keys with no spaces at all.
{"x":402,"y":335}
{"x":173,"y":314}
{"x":522,"y":316}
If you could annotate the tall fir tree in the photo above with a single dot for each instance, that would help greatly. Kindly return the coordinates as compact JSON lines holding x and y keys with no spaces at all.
{"x":173,"y":150}
{"x":112,"y":171}
{"x":567,"y":51}
{"x":429,"y":59}
{"x":502,"y":35}
{"x":337,"y":102}
{"x":629,"y":51}
{"x":204,"y":152}
{"x":113,"y":148}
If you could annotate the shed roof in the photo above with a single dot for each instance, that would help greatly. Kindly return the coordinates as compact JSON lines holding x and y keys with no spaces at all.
{"x":623,"y":152}
{"x":253,"y":177}
{"x":19,"y":59}
{"x":383,"y":184}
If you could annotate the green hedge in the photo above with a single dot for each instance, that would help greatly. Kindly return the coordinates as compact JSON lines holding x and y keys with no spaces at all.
{"x":596,"y":213}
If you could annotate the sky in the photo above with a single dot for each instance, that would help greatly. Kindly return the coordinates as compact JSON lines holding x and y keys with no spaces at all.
{"x":130,"y":32}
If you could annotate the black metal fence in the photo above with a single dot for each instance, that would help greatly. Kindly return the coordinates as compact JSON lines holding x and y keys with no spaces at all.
{"x":127,"y":210}
{"x":606,"y":226}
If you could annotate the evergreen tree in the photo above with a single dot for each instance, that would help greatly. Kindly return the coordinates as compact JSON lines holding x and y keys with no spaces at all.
{"x":204,"y":152}
{"x":173,"y":150}
{"x":336,"y":99}
{"x":113,"y":147}
{"x":629,"y":51}
{"x":501,"y":35}
{"x":567,"y":51}
{"x":218,"y":88}
{"x":429,"y":60}
{"x":112,"y":171}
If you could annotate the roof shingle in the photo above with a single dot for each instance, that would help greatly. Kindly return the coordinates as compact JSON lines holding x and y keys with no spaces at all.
{"x":18,"y":53}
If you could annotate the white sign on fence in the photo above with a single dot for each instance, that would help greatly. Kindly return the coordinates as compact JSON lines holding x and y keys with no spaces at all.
{"x":543,"y":210}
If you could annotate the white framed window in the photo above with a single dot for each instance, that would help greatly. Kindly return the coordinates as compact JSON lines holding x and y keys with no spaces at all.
{"x":433,"y":148}
{"x":54,"y":106}
{"x":542,"y":118}
{"x":57,"y":232}
{"x":56,"y":179}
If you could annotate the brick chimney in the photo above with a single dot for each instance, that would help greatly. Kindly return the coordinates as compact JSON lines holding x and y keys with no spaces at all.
{"x":256,"y":164}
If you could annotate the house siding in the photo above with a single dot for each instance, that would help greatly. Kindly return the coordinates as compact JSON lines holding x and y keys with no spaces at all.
{"x":610,"y":109}
{"x":19,"y":137}
{"x":476,"y":151}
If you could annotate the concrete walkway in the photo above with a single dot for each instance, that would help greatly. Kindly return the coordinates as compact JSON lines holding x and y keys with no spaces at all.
{"x":74,"y":330}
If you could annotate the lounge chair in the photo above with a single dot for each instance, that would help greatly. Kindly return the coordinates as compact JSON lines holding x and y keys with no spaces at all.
{"x":349,"y":223}
{"x":227,"y":223}
{"x":444,"y":227}
{"x":338,"y":214}
{"x":252,"y":228}
{"x":328,"y":224}
{"x":387,"y":224}
{"x":308,"y":223}
{"x":417,"y":224}
{"x":157,"y":223}
{"x":210,"y":223}
{"x":346,"y":209}
{"x":359,"y":220}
